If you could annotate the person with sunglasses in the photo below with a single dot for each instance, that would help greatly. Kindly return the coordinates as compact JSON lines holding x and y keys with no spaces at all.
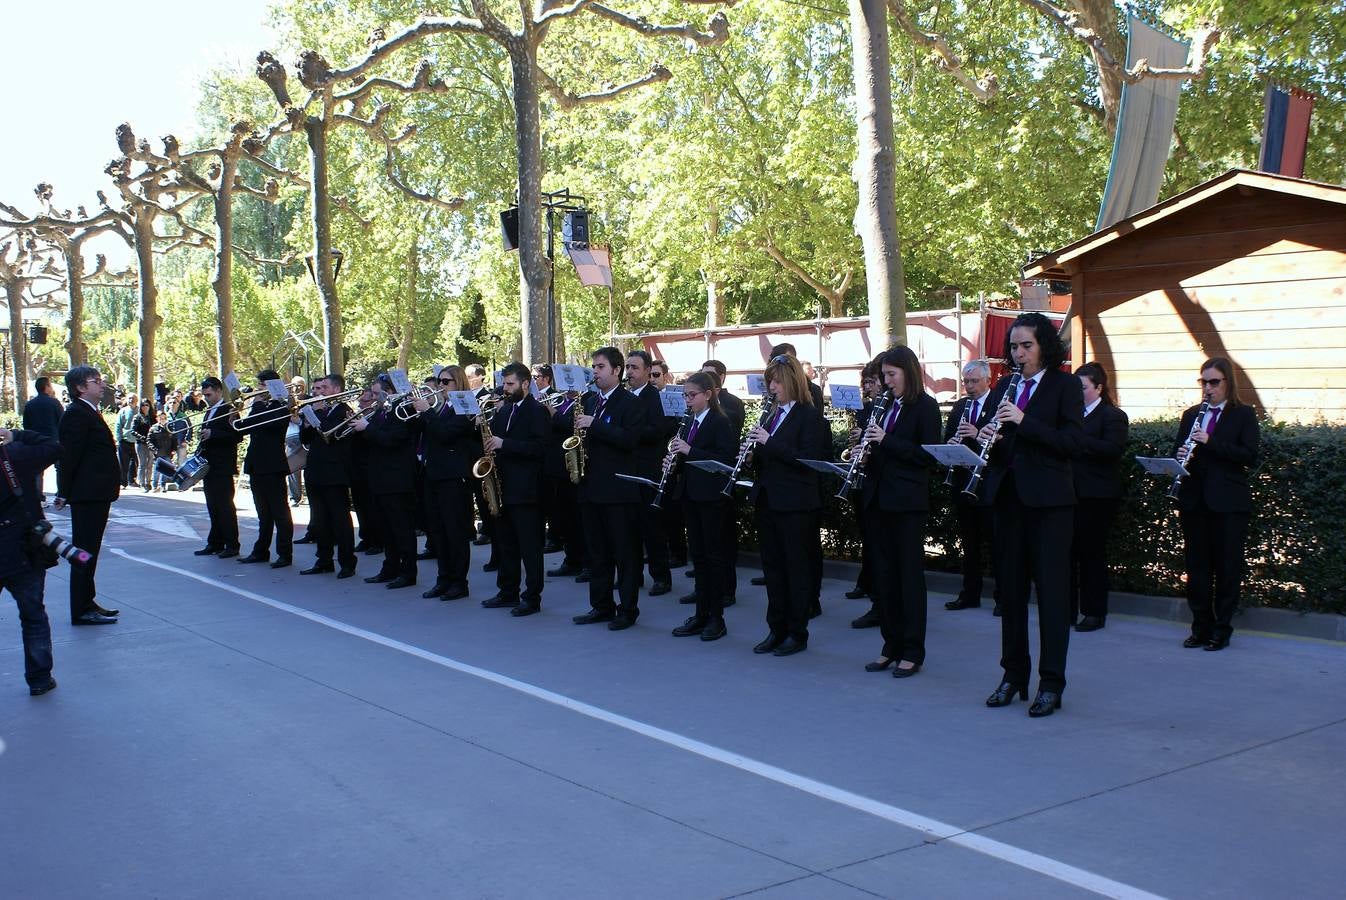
{"x":451,"y":446}
{"x":1215,"y":502}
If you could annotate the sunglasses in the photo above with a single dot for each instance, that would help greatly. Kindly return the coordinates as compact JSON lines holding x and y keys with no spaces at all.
{"x":448,"y":381}
{"x":1210,"y":382}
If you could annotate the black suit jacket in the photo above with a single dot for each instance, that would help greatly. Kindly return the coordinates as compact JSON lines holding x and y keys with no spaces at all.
{"x":733,"y":409}
{"x":266,"y":442}
{"x":897,"y":476}
{"x":392,"y":454}
{"x":329,"y":461}
{"x":1219,"y":467}
{"x":451,"y":444}
{"x":715,"y":439}
{"x":786,"y":484}
{"x":1098,"y":472}
{"x":956,"y":415}
{"x":653,"y":441}
{"x":519,"y":459}
{"x":221,"y":448}
{"x":611,"y":445}
{"x":88,"y":470}
{"x":1039,"y":450}
{"x":43,"y":415}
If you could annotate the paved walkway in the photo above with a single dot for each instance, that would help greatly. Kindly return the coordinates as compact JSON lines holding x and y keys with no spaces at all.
{"x":244,"y":732}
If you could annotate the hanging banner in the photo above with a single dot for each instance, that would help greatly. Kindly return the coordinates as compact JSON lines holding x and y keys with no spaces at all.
{"x":1285,"y":131}
{"x":593,"y":265}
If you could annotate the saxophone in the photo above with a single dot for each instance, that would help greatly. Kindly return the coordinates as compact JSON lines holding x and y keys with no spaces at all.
{"x":573,"y":446}
{"x":484,"y":468}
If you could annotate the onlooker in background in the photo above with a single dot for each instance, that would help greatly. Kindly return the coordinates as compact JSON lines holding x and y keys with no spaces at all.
{"x":140,"y":427}
{"x":163,"y":444}
{"x":181,"y":426}
{"x":126,"y":442}
{"x":42,"y":414}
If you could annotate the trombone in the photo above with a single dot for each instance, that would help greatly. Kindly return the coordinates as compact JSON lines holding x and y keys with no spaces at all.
{"x":406,"y":412}
{"x":279,"y":413}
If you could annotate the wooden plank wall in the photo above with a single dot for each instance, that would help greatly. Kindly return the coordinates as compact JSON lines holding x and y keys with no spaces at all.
{"x":1252,"y":275}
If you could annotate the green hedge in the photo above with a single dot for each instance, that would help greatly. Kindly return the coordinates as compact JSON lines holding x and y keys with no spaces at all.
{"x":1296,"y":544}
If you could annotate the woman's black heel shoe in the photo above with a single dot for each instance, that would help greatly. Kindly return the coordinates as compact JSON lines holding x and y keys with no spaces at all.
{"x":878,"y":665}
{"x":1004,"y":695}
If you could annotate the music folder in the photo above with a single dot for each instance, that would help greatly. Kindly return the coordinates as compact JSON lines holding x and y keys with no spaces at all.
{"x":638,"y":480}
{"x":715,"y":467}
{"x":827,"y":468}
{"x":1162,"y":465}
{"x":953,"y":455}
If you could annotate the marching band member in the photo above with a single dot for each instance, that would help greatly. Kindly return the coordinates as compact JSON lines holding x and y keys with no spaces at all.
{"x":870,"y":381}
{"x":1029,"y":484}
{"x":552,"y":515}
{"x":968,"y":416}
{"x":733,"y":408}
{"x":218,"y":446}
{"x":451,"y":447}
{"x":1098,"y":492}
{"x":1215,"y":503}
{"x":571,"y":527}
{"x":785,"y":497}
{"x":371,"y":539}
{"x":649,"y":458}
{"x":476,"y":382}
{"x":613,"y":421}
{"x":675,"y":526}
{"x":267,"y":470}
{"x":896,"y":502}
{"x":519,"y":433}
{"x":710,"y":436}
{"x":392,"y":468}
{"x":328,"y":471}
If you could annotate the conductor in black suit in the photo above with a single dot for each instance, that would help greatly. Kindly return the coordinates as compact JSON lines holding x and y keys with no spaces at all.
{"x":88,"y":478}
{"x":612,"y":422}
{"x":1098,"y":493}
{"x":518,"y":439}
{"x":975,"y":522}
{"x":218,"y":445}
{"x":1215,"y":503}
{"x":1029,"y":485}
{"x":267,"y":469}
{"x":327,"y":471}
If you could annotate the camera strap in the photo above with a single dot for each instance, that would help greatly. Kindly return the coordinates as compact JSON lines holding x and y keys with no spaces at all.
{"x":8,"y":466}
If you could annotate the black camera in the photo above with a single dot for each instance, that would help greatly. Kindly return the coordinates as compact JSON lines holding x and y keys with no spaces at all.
{"x":45,"y":539}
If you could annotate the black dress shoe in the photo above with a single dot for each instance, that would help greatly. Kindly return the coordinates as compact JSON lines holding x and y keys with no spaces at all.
{"x":1193,"y":642}
{"x":306,"y":539}
{"x":1216,"y":644}
{"x":714,"y":629}
{"x":584,"y":577}
{"x":1090,"y":623}
{"x":401,"y":581}
{"x":1004,"y":695}
{"x":228,"y":552}
{"x":960,"y":603}
{"x":878,"y":665}
{"x":659,"y":588}
{"x":524,"y":609}
{"x":693,"y":625}
{"x":93,"y":618}
{"x":318,"y":569}
{"x":690,"y":573}
{"x":281,"y":562}
{"x":37,"y":690}
{"x":1044,"y":704}
{"x":687,"y":598}
{"x":373,"y":549}
{"x":759,"y":580}
{"x":789,"y":647}
{"x":592,"y":617}
{"x":113,"y":613}
{"x":346,"y":572}
{"x":491,"y":566}
{"x":252,"y":558}
{"x":899,"y":672}
{"x":425,"y":554}
{"x":360,"y":547}
{"x":769,"y":643}
{"x":480,"y":540}
{"x":206,"y":551}
{"x":455,"y":592}
{"x":380,"y":578}
{"x":996,"y":612}
{"x":868,"y":620}
{"x":439,"y":590}
{"x":621,"y":623}
{"x":500,"y":602}
{"x":856,"y":594}
{"x":563,"y":571}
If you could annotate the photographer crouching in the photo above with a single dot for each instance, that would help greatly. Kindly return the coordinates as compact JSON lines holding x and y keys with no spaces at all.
{"x":24,"y":559}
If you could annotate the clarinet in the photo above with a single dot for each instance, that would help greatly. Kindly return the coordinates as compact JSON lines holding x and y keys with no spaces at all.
{"x":855,"y":473}
{"x":967,"y":417}
{"x":671,"y":460}
{"x":768,"y":410}
{"x":1190,"y":446}
{"x":974,"y":480}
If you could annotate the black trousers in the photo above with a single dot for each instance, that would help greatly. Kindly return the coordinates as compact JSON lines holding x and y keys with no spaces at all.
{"x":612,"y":534}
{"x":571,"y":520}
{"x":88,"y":521}
{"x":1215,"y":564}
{"x":549,"y":498}
{"x":1089,"y":581}
{"x":1033,"y":549}
{"x":27,"y":589}
{"x":395,"y":513}
{"x":126,"y":458}
{"x":708,"y":538}
{"x":899,"y":582}
{"x":975,"y":528}
{"x":787,"y":563}
{"x":330,"y":521}
{"x":653,"y":538}
{"x":518,"y":538}
{"x":448,"y":519}
{"x":269,"y":495}
{"x":365,"y":511}
{"x":864,"y":581}
{"x":675,"y":529}
{"x":223,"y":516}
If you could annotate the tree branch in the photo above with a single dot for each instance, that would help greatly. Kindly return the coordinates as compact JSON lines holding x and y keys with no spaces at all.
{"x":942,"y":55}
{"x":717,"y":29}
{"x":567,"y":101}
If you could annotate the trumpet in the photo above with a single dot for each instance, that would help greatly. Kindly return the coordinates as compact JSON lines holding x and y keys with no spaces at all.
{"x":855,"y":475}
{"x":1190,"y":446}
{"x":974,"y":480}
{"x":671,"y":460}
{"x":434,"y":396}
{"x":346,"y":426}
{"x":745,"y":449}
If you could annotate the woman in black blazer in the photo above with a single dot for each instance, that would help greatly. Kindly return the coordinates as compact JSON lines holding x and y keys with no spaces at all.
{"x":1098,"y":493}
{"x":1215,"y":502}
{"x":705,"y":506}
{"x":785,"y":497}
{"x":895,"y":501}
{"x":1029,"y":485}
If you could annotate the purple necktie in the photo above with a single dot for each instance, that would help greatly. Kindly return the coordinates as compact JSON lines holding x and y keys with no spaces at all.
{"x":1024,"y":394}
{"x":691,"y":432}
{"x":775,"y":420}
{"x":598,"y":409}
{"x":1211,"y":420}
{"x":892,"y":417}
{"x":976,"y":410}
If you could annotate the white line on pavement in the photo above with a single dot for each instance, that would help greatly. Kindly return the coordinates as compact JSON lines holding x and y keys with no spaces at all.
{"x":941,"y":831}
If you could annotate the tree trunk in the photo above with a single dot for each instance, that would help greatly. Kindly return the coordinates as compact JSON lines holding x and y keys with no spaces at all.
{"x":18,"y":345}
{"x":222,"y":279}
{"x":315,"y":129}
{"x":533,"y":266}
{"x":1101,"y":17}
{"x":150,"y":320}
{"x":75,"y":350}
{"x":874,"y":173}
{"x":409,"y":320}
